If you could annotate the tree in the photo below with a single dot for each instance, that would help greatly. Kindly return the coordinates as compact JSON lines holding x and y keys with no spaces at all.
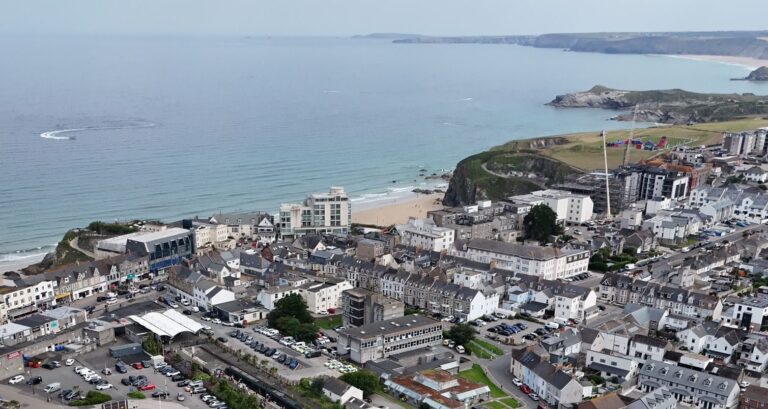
{"x":461,"y":334}
{"x":317,"y":386}
{"x":364,"y":380}
{"x":290,"y":306}
{"x":540,"y":223}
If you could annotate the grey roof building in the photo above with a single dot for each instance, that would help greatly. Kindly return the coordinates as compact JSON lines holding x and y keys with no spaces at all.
{"x":689,"y":385}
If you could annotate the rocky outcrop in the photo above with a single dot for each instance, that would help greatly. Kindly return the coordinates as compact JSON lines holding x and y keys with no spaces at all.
{"x":511,"y":173}
{"x":672,"y":106}
{"x":760,"y":74}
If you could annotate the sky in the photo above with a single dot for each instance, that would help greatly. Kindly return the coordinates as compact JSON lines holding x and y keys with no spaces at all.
{"x":348,"y":17}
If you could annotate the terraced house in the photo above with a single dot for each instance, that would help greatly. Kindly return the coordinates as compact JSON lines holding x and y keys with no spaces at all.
{"x":438,"y":296}
{"x":704,"y":390}
{"x":623,"y":290}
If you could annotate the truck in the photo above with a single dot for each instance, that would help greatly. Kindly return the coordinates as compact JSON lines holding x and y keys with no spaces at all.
{"x":156,"y":359}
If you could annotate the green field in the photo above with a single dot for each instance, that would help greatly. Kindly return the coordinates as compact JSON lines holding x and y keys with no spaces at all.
{"x":496,"y":405}
{"x":329,"y":322}
{"x":584,"y":150}
{"x":477,"y":351}
{"x":490,"y":347}
{"x":476,"y":374}
{"x":511,"y":402}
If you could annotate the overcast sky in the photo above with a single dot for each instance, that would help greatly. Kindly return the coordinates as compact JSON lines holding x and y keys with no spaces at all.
{"x":347,"y":17}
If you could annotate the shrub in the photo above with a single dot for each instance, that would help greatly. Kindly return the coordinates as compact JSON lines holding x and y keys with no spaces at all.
{"x":92,"y":398}
{"x":136,"y":395}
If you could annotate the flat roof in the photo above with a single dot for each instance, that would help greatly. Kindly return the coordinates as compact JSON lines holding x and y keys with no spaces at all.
{"x":393,"y":326}
{"x":159,"y":235}
{"x":168,"y":323}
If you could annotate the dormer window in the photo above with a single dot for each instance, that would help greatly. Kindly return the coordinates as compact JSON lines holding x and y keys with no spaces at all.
{"x":692,"y":378}
{"x":663,"y":370}
{"x":708,"y":382}
{"x":679,"y":374}
{"x":722,"y":386}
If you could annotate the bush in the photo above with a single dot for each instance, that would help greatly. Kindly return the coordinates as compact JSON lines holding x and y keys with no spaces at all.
{"x":92,"y":398}
{"x":364,"y":380}
{"x":136,"y":395}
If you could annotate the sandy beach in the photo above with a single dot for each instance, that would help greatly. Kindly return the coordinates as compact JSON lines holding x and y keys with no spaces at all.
{"x":16,"y":265}
{"x":398,"y":211}
{"x":752,"y":63}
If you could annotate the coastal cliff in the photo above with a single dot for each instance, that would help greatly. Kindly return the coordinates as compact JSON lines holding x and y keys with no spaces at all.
{"x":512,"y":169}
{"x":727,"y":43}
{"x":760,"y":74}
{"x":674,"y":106}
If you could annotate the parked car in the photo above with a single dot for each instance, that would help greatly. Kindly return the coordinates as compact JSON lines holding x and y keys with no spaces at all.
{"x":103,"y":386}
{"x":125,"y":381}
{"x":147,"y":387}
{"x":160,"y":394}
{"x":35,"y":380}
{"x":137,"y":365}
{"x":183,"y":383}
{"x":180,"y":397}
{"x":516,"y":382}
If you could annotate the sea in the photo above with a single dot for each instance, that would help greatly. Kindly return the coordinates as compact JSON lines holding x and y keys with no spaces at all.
{"x":122,"y":128}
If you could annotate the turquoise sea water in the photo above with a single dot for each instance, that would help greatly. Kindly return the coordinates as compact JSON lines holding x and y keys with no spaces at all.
{"x":122,"y":128}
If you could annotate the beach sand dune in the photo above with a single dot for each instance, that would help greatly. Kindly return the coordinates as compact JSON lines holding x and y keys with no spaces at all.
{"x":398,"y":211}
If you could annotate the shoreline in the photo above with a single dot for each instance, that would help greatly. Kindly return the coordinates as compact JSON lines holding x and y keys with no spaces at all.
{"x":398,"y":210}
{"x":746,"y":62}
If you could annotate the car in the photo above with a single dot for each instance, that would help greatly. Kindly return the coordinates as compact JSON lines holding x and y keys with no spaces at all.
{"x":183,"y":383}
{"x":198,"y":389}
{"x":525,"y":389}
{"x":172,"y":373}
{"x":137,"y":365}
{"x":216,"y":321}
{"x":222,"y":340}
{"x":160,"y":394}
{"x":64,"y":393}
{"x":146,"y":363}
{"x":69,"y":362}
{"x":744,"y":384}
{"x":160,"y":364}
{"x":234,"y":334}
{"x":173,"y":305}
{"x":601,"y":307}
{"x":70,"y":394}
{"x":282,"y":358}
{"x":294,"y":363}
{"x":107,"y":371}
{"x":534,"y":397}
{"x":180,"y":397}
{"x":147,"y":387}
{"x":206,"y":398}
{"x":34,"y":381}
{"x":16,"y":379}
{"x":112,"y":301}
{"x":103,"y":386}
{"x":48,"y":366}
{"x":460,"y":349}
{"x":530,"y":337}
{"x":516,"y":382}
{"x":187,"y":312}
{"x":176,"y":378}
{"x":217,"y":404}
{"x":125,"y":381}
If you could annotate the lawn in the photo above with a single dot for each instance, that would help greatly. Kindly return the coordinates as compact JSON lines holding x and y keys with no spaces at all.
{"x":490,"y":347}
{"x":584,"y":149}
{"x":511,"y":402}
{"x":330,"y":322}
{"x":495,"y":405}
{"x":477,"y":351}
{"x":476,"y":374}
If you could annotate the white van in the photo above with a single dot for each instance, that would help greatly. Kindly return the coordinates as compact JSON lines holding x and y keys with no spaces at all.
{"x":553,"y":325}
{"x":53,"y":387}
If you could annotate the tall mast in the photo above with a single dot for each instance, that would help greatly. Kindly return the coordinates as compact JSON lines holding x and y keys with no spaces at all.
{"x":608,"y":215}
{"x":625,"y":162}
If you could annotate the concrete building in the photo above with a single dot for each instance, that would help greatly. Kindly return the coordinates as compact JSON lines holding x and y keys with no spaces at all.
{"x":425,"y":234}
{"x":320,"y":213}
{"x":369,"y":249}
{"x":382,"y":339}
{"x":546,"y":262}
{"x":361,"y":307}
{"x":704,"y":390}
{"x":324,"y":296}
{"x":570,"y":208}
{"x":165,"y":248}
{"x":240,"y":311}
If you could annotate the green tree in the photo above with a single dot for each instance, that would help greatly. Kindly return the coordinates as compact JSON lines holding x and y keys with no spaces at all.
{"x":152,"y":345}
{"x":317,"y":386}
{"x":461,"y":334}
{"x":364,"y":380}
{"x":290,"y":306}
{"x":540,"y":223}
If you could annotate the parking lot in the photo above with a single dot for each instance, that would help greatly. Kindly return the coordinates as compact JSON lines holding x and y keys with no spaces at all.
{"x":307,"y":367}
{"x":97,"y":361}
{"x":507,"y":342}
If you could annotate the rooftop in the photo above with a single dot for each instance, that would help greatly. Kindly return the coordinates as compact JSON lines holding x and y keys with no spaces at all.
{"x":394,"y":326}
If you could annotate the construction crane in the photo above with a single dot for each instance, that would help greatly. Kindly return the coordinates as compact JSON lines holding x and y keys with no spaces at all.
{"x":625,"y":162}
{"x":608,"y":215}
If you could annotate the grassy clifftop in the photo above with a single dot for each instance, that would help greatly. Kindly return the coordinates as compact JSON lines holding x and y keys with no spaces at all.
{"x":509,"y":169}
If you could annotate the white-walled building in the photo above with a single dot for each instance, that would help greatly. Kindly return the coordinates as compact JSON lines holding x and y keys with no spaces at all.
{"x":424,"y":233}
{"x":575,"y":303}
{"x":570,"y":208}
{"x":269,"y":296}
{"x":320,"y":213}
{"x":546,"y":262}
{"x":322,"y":296}
{"x":704,"y":390}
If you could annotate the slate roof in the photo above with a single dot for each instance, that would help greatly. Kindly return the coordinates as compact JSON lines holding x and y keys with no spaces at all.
{"x":541,"y":367}
{"x":336,"y":386}
{"x":520,"y":250}
{"x":652,"y":341}
{"x":688,"y":378}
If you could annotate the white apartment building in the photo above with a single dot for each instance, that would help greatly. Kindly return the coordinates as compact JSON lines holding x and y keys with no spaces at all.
{"x":254,"y":225}
{"x":320,"y":213}
{"x":612,"y":364}
{"x":25,"y":300}
{"x":322,"y":296}
{"x":209,"y":234}
{"x":548,"y":263}
{"x":426,"y":234}
{"x":269,"y":296}
{"x":381,"y":339}
{"x":749,"y":312}
{"x":575,"y":303}
{"x":643,"y":347}
{"x":570,"y":208}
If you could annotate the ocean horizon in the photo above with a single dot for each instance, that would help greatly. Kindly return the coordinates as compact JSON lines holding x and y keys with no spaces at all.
{"x":123,"y":128}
